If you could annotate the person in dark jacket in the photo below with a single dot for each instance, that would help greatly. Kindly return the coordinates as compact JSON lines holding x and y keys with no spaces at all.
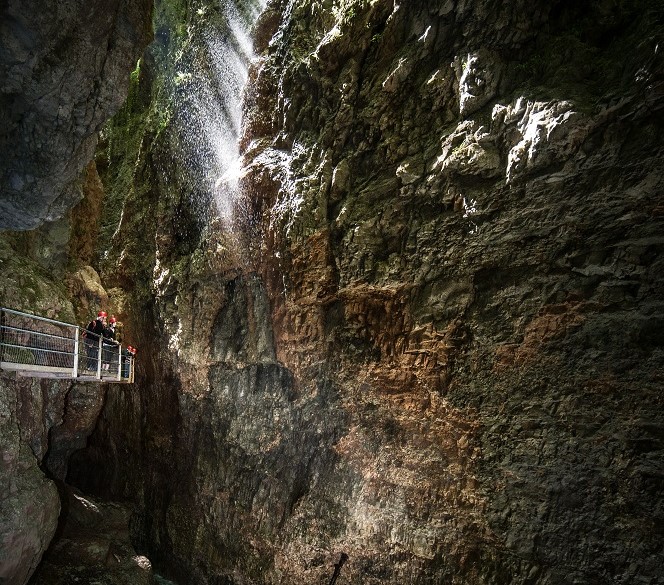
{"x":93,"y":332}
{"x":110,"y":346}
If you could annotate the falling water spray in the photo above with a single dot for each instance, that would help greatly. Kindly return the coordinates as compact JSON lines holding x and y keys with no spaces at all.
{"x":210,"y":75}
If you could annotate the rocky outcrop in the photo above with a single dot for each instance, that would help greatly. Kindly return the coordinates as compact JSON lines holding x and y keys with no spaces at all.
{"x":460,"y":212}
{"x":93,"y":546}
{"x":29,"y":505}
{"x":64,"y":67}
{"x":452,"y":221}
{"x":41,"y":424}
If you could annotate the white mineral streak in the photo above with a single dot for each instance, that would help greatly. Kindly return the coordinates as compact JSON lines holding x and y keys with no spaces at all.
{"x":549,"y":131}
{"x":542,"y":133}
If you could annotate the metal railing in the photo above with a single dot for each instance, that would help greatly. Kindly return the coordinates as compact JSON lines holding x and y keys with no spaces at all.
{"x":35,"y":346}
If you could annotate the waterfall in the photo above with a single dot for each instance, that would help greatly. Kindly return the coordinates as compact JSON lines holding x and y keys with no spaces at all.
{"x":209,"y":79}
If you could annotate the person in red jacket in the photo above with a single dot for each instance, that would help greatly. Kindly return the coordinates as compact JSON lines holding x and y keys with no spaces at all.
{"x":128,"y":354}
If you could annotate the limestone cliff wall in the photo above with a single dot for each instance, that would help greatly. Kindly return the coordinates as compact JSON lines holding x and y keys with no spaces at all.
{"x":461,"y":209}
{"x":435,"y":342}
{"x":64,"y":73}
{"x":42,"y":422}
{"x":64,"y":68}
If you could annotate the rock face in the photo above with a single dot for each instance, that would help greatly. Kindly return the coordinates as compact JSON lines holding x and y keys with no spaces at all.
{"x":463,"y":218}
{"x":41,"y":424}
{"x":64,"y":67}
{"x":93,"y":547}
{"x":29,"y":505}
{"x":433,"y":341}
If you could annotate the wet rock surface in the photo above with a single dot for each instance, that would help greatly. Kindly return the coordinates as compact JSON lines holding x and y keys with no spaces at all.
{"x":64,"y":67}
{"x":464,"y":224}
{"x":93,"y":546}
{"x":438,"y":350}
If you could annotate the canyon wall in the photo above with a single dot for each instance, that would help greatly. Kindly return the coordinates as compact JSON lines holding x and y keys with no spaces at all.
{"x":430,"y":338}
{"x":64,"y":69}
{"x":461,"y":210}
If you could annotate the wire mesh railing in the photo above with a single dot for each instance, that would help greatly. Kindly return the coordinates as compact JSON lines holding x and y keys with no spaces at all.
{"x":41,"y":347}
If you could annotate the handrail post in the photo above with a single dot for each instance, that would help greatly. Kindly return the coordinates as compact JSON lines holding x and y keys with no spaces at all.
{"x":99,"y":346}
{"x":119,"y":362}
{"x":74,"y":373}
{"x":3,"y":320}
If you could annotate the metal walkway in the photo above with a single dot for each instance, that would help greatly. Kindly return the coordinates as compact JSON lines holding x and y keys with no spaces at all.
{"x":42,"y":348}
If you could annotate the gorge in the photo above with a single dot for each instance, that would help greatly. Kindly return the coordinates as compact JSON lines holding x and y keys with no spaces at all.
{"x":395,"y":275}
